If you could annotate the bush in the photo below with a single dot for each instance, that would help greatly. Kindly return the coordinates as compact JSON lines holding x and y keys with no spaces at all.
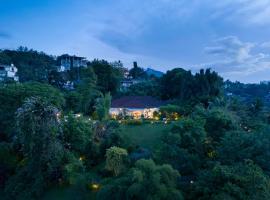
{"x":171,"y":112}
{"x":135,"y":122}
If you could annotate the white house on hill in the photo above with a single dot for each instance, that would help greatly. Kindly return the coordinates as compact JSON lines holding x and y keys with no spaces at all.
{"x":8,"y":72}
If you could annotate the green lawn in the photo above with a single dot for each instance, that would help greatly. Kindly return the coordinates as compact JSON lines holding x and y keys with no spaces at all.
{"x":146,"y":135}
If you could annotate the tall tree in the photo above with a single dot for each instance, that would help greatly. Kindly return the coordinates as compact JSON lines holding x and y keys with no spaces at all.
{"x":102,"y":107}
{"x":108,"y":77}
{"x":177,"y":84}
{"x":39,"y":137}
{"x":86,"y":92}
{"x":207,"y":85}
{"x":137,"y":72}
{"x":115,"y":160}
{"x":12,"y":97}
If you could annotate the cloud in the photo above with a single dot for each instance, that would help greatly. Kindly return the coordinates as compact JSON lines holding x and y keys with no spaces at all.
{"x":231,"y":48}
{"x":265,"y":45}
{"x":5,"y":35}
{"x":176,"y":31}
{"x":234,"y":57}
{"x":143,"y":27}
{"x":160,"y":33}
{"x":248,"y":12}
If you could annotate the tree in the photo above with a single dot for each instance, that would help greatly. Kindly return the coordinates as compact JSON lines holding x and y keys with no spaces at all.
{"x":74,"y":102}
{"x":257,"y":106}
{"x":137,"y":72}
{"x":12,"y":97}
{"x":39,"y":137}
{"x":102,"y":107}
{"x":146,"y":88}
{"x":171,"y":111}
{"x":32,"y":65}
{"x":57,"y":79}
{"x":108,"y":77}
{"x":177,"y":84}
{"x":77,"y":133}
{"x":207,"y":86}
{"x":145,"y":180}
{"x":238,"y":146}
{"x":237,"y":181}
{"x":4,"y":58}
{"x":219,"y":121}
{"x":181,"y":85}
{"x":183,"y":147}
{"x":87,"y":93}
{"x":8,"y":162}
{"x":115,"y":160}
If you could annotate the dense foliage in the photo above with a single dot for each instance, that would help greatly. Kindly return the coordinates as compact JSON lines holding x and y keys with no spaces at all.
{"x":32,"y":65}
{"x":57,"y":140}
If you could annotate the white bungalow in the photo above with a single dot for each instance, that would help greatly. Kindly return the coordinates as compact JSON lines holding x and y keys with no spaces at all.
{"x":135,"y":106}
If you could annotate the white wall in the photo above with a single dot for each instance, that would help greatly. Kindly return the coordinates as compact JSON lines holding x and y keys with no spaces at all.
{"x":133,"y":112}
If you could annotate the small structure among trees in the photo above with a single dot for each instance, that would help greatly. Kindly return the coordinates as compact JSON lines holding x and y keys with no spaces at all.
{"x":67,"y":62}
{"x":8,"y":72}
{"x":135,"y":107}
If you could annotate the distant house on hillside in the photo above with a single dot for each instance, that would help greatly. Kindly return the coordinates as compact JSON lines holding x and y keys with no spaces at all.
{"x":67,"y":62}
{"x":135,"y":107}
{"x":8,"y":72}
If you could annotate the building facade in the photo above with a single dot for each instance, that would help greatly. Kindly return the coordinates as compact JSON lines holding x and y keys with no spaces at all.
{"x":8,"y":72}
{"x":135,"y":107}
{"x":67,"y":62}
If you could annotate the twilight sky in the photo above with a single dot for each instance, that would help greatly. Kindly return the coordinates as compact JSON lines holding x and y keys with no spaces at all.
{"x":230,"y":36}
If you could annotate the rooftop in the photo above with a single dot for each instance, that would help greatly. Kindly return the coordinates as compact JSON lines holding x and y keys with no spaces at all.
{"x":71,"y":56}
{"x":137,"y":102}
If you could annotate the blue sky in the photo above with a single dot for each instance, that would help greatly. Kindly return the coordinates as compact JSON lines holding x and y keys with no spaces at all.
{"x":230,"y":36}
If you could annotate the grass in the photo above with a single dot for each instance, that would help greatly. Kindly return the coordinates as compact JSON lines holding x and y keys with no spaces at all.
{"x":145,"y":135}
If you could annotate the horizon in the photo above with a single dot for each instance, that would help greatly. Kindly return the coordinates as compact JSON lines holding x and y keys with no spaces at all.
{"x":230,"y":37}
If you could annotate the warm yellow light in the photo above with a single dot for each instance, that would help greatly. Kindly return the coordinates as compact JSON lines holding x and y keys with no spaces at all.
{"x":137,"y":114}
{"x":81,"y":158}
{"x":78,"y":115}
{"x":95,"y":186}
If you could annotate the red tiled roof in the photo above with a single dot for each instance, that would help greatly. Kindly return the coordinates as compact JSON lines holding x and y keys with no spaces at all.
{"x":136,"y":102}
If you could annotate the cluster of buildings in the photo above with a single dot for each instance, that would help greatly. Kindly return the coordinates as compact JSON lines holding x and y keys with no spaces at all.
{"x":67,"y":62}
{"x":8,"y":73}
{"x":132,"y":106}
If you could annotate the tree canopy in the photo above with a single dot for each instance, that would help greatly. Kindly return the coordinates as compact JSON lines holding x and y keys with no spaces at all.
{"x":210,"y":139}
